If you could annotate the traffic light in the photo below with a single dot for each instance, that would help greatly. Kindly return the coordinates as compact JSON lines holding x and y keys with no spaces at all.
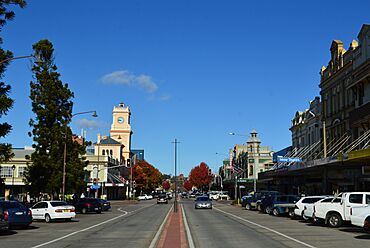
{"x":209,"y":172}
{"x":128,"y":162}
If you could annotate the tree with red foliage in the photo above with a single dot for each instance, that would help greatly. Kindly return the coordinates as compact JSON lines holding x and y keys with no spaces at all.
{"x":146,"y":176}
{"x":166,"y":185}
{"x":187,"y":185}
{"x":200,"y":177}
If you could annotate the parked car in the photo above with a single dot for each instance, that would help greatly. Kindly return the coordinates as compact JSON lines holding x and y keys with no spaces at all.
{"x":265,"y":204}
{"x":87,"y":205}
{"x":105,"y":205}
{"x":255,"y":201}
{"x":162,"y":198}
{"x":339,"y":209}
{"x":360,"y":214}
{"x":303,"y":202}
{"x":16,"y":213}
{"x":245,"y":198}
{"x":144,"y":197}
{"x":367,"y":225}
{"x":223,"y":196}
{"x":203,"y":202}
{"x":4,"y":224}
{"x":52,"y":210}
{"x":279,"y":204}
{"x":308,"y":210}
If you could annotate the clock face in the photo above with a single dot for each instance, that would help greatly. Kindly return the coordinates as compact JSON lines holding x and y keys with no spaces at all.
{"x":120,"y":120}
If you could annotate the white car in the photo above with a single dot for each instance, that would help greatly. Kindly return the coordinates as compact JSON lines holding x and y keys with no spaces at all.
{"x":308,"y":210}
{"x":51,"y":210}
{"x":303,"y":202}
{"x":144,"y":197}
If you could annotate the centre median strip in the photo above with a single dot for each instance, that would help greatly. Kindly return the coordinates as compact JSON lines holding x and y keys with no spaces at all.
{"x":266,"y":228}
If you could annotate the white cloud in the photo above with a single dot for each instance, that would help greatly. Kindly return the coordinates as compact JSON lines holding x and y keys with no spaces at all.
{"x":88,"y":124}
{"x":125,"y":77}
{"x":164,"y":98}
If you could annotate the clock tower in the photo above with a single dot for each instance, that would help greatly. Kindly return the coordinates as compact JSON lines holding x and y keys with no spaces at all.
{"x":121,"y":129}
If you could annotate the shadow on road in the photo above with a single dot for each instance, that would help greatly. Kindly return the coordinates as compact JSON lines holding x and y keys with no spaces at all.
{"x":7,"y":233}
{"x":365,"y":236}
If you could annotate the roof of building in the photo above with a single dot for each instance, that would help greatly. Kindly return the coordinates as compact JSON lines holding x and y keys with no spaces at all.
{"x":22,"y":152}
{"x":108,"y":141}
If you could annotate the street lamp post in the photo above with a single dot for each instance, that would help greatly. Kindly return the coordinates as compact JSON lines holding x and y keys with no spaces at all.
{"x":13,"y":168}
{"x":65,"y":151}
{"x":175,"y":202}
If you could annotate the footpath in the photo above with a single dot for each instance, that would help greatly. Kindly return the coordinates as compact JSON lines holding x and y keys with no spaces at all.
{"x":173,"y":234}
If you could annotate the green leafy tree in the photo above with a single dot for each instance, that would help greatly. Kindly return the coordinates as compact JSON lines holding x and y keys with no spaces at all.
{"x":52,"y":105}
{"x":6,"y":102}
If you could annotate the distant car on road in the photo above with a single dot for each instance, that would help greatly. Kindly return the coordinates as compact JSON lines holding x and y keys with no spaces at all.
{"x":203,"y":202}
{"x":162,"y":198}
{"x":144,"y":197}
{"x":51,"y":210}
{"x":16,"y":213}
{"x":86,"y":205}
{"x":105,"y":205}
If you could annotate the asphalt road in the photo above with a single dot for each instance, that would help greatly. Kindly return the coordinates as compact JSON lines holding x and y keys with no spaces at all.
{"x":126,"y":225}
{"x":232,"y":226}
{"x":136,"y":224}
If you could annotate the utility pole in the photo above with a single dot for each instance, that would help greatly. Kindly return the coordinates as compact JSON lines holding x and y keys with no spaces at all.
{"x":175,"y":202}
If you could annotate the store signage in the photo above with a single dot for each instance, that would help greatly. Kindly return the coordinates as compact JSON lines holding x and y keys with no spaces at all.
{"x":288,"y":160}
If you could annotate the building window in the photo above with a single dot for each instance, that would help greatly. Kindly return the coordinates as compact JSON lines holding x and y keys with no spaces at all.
{"x":6,"y":171}
{"x":111,"y":152}
{"x":103,"y":152}
{"x":21,"y":170}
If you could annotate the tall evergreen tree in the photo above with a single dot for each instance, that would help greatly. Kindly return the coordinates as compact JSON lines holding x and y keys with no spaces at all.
{"x":6,"y":102}
{"x":52,"y":105}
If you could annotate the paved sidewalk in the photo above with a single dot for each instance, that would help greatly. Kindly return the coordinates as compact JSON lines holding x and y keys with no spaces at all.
{"x":173,"y":234}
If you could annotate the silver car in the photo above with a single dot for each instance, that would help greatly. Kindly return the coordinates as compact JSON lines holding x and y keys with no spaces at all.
{"x":203,"y":202}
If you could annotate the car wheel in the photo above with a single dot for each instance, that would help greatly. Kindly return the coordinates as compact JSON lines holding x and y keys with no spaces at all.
{"x":275,"y":212}
{"x":84,"y":210}
{"x":98,"y":212}
{"x":68,"y":219}
{"x":47,"y":218}
{"x":334,"y":220}
{"x":248,"y":206}
{"x":292,"y":214}
{"x":268,"y":210}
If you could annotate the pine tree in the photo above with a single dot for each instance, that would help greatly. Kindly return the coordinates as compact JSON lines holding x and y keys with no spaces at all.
{"x":52,"y":105}
{"x":6,"y":102}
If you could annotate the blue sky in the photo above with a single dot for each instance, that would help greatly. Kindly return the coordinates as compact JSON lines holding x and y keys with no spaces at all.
{"x":191,"y":70}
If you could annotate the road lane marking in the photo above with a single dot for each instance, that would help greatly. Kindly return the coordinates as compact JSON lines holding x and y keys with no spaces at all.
{"x":88,"y":228}
{"x":157,"y":235}
{"x":266,"y":228}
{"x":187,"y":229}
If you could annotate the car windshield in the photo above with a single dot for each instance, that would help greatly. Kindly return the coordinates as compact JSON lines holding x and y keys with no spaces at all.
{"x":203,"y":198}
{"x":10,"y":205}
{"x":58,"y":203}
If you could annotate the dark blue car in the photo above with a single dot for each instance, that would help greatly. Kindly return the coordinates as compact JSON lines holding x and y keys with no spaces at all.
{"x":16,"y":213}
{"x":279,"y":204}
{"x":105,"y":205}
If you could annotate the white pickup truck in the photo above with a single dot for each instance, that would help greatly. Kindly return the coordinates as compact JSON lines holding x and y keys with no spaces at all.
{"x":337,"y":211}
{"x":360,"y":214}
